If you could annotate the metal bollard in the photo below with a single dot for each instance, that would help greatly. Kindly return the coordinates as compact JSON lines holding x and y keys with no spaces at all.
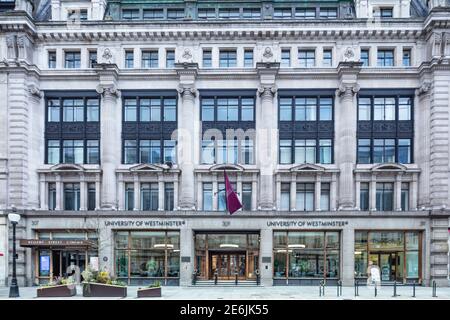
{"x":376,"y":291}
{"x":356,"y":288}
{"x":215,"y":278}
{"x":414,"y":289}
{"x":236,"y":280}
{"x":395,"y":288}
{"x":339,"y":288}
{"x":434,"y":289}
{"x":321,"y":288}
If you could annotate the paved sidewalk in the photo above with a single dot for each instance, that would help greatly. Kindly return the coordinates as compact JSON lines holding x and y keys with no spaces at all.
{"x":258,"y":293}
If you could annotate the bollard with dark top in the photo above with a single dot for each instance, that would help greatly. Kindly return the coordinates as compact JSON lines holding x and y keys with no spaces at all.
{"x":356,"y":288}
{"x":194,"y":277}
{"x":258,"y":280}
{"x":395,"y":288}
{"x":434,"y":289}
{"x":375,"y":290}
{"x":339,"y":288}
{"x":215,"y":277}
{"x":414,"y":289}
{"x":236,"y":278}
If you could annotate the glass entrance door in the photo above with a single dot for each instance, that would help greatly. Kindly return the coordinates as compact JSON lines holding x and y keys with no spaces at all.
{"x":227,"y":264}
{"x":390,"y":265}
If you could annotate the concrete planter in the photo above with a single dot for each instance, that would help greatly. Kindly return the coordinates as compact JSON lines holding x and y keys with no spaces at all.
{"x":103,"y":290}
{"x":57,"y":291}
{"x":149,"y":292}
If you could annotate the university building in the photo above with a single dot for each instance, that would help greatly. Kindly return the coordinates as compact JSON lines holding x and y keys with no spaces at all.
{"x":118,"y":119}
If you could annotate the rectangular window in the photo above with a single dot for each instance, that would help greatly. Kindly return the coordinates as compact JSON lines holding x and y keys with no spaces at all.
{"x":72,"y":196}
{"x":130,"y":151}
{"x":170,"y":151}
{"x":364,"y":109}
{"x":170,"y":109}
{"x":285,"y":200}
{"x":305,"y":151}
{"x":404,"y":150}
{"x":149,"y":151}
{"x":248,"y":58}
{"x":129,"y":59}
{"x":227,"y":59}
{"x":175,"y":13}
{"x":92,"y":110}
{"x":306,"y":58}
{"x":325,"y":109}
{"x":53,"y":152}
{"x":327,"y":57}
{"x":285,"y":109}
{"x":83,"y":15}
{"x":247,"y":111}
{"x":364,"y":196}
{"x":282,"y":13}
{"x":305,"y":197}
{"x":207,"y":197}
{"x":130,"y":110}
{"x":383,"y":13}
{"x":227,"y":151}
{"x":365,"y":57}
{"x":384,"y":109}
{"x":325,"y":196}
{"x":150,"y":59}
{"x":404,"y":108}
{"x":305,"y":13}
{"x":305,"y":109}
{"x":92,"y":58}
{"x":72,"y":59}
{"x":227,"y":109}
{"x":73,"y":110}
{"x":153,"y":14}
{"x":129,"y":196}
{"x":325,"y":151}
{"x":229,"y":13}
{"x":207,"y":109}
{"x":149,"y":196}
{"x":150,"y":110}
{"x":73,"y":151}
{"x":206,"y":13}
{"x":207,"y":58}
{"x":328,"y":13}
{"x":247,"y":151}
{"x":405,"y":196}
{"x":168,"y":196}
{"x":51,"y":196}
{"x":385,"y":196}
{"x":364,"y":151}
{"x":247,"y":196}
{"x":170,"y":58}
{"x":53,"y":112}
{"x":285,"y":58}
{"x":208,"y":154}
{"x":52,"y":59}
{"x":385,"y":58}
{"x":130,"y":14}
{"x":92,"y":152}
{"x":251,"y":13}
{"x":91,"y":197}
{"x":383,"y":150}
{"x":285,"y":151}
{"x":406,"y":57}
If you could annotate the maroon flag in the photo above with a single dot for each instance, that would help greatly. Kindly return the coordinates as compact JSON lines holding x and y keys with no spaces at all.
{"x":233,"y":203}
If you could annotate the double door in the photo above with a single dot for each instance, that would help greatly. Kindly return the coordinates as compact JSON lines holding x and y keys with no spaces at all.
{"x":390,"y":263}
{"x":64,"y":261}
{"x":227,"y":264}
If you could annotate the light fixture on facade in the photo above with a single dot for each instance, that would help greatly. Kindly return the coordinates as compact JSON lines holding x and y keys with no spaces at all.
{"x":163,"y":246}
{"x":296,"y":246}
{"x":358,"y":252}
{"x":229,"y":245}
{"x":283,"y":251}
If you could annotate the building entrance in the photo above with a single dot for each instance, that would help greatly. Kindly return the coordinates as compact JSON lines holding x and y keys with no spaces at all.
{"x":228,"y":264}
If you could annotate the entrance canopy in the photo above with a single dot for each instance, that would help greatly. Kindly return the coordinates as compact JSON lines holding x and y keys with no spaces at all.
{"x":61,"y":244}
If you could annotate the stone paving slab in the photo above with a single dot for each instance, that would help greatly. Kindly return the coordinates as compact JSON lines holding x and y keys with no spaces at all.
{"x":257,"y":293}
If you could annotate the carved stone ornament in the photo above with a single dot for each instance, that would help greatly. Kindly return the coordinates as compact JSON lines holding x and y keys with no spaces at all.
{"x":187,"y":55}
{"x":107,"y":55}
{"x":349,"y":54}
{"x":110,"y":90}
{"x":424,"y":88}
{"x":187,"y":91}
{"x":348,"y":89}
{"x":268,"y":54}
{"x":34,"y":91}
{"x":267,"y":90}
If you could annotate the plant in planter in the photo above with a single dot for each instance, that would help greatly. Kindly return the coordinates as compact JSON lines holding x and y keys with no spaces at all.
{"x":101,"y":284}
{"x":59,"y":287}
{"x":153,"y":290}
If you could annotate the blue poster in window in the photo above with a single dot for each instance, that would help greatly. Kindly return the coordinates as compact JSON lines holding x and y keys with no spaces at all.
{"x":44,"y":265}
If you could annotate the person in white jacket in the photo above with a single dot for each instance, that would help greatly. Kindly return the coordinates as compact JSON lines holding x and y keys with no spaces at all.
{"x":373,"y":275}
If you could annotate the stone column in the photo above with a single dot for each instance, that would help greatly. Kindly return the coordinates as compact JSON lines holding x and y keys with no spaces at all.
{"x":278,"y":193}
{"x":348,"y":257}
{"x":254,"y":193}
{"x":266,"y":247}
{"x":59,"y":193}
{"x":357,"y":192}
{"x":110,"y":144}
{"x":413,"y":193}
{"x":317,"y":192}
{"x":137,"y":193}
{"x":293,"y":194}
{"x":43,"y":193}
{"x":186,"y":133}
{"x":160,"y":193}
{"x":215,"y":190}
{"x":346,"y":131}
{"x":187,"y":254}
{"x":175,"y":193}
{"x":373,"y":193}
{"x":398,"y":192}
{"x":83,"y":194}
{"x":97,"y":192}
{"x":121,"y":195}
{"x":333,"y":192}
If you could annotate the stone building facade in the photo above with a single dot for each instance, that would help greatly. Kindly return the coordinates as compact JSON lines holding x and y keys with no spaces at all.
{"x":119,"y":119}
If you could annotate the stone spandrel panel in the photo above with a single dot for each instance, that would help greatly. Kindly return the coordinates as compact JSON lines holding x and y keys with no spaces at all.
{"x":439,"y":248}
{"x":439,"y":259}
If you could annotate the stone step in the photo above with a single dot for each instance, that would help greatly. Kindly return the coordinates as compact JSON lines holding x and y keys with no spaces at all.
{"x":225,"y":283}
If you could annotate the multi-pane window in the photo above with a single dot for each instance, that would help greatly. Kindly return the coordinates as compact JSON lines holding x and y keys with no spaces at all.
{"x":227,"y":59}
{"x":285,"y":151}
{"x":248,"y":58}
{"x":405,"y":196}
{"x":207,"y":196}
{"x":285,"y":58}
{"x":170,"y":58}
{"x":404,"y":108}
{"x":228,"y":151}
{"x":149,"y":196}
{"x":325,"y":151}
{"x":72,"y":196}
{"x":384,"y":150}
{"x":53,"y":151}
{"x":305,"y":13}
{"x":404,"y":150}
{"x":251,"y":13}
{"x":72,"y":59}
{"x":208,"y":151}
{"x":365,"y":54}
{"x":169,"y":151}
{"x":385,"y":58}
{"x":153,"y":14}
{"x":285,"y":201}
{"x":229,"y":13}
{"x":129,"y":196}
{"x":52,"y":59}
{"x":130,"y":14}
{"x":282,"y":13}
{"x":168,"y":196}
{"x":247,"y":109}
{"x":73,"y":110}
{"x":206,"y":13}
{"x":207,"y":58}
{"x":92,"y":110}
{"x":384,"y":109}
{"x":83,"y":15}
{"x":325,"y":196}
{"x":150,"y":109}
{"x":129,"y":59}
{"x":73,"y":151}
{"x":150,"y":59}
{"x":228,"y":109}
{"x":364,"y":196}
{"x":246,"y":196}
{"x":364,"y":109}
{"x":221,"y":196}
{"x":306,"y":58}
{"x":305,"y":109}
{"x":53,"y":110}
{"x":51,"y":196}
{"x":384,"y":196}
{"x":130,"y":151}
{"x":328,"y":13}
{"x":305,"y":197}
{"x":364,"y":154}
{"x":406,"y":57}
{"x":175,"y":13}
{"x":149,"y":151}
{"x":383,"y":13}
{"x":327,"y":58}
{"x":305,"y":151}
{"x":92,"y":58}
{"x":91,"y":197}
{"x":92,"y":152}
